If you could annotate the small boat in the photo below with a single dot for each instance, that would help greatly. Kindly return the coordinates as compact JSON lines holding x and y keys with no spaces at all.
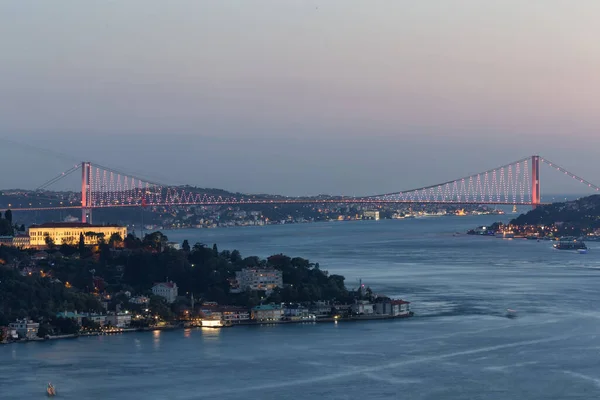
{"x":50,"y":390}
{"x":511,"y":313}
{"x":582,"y":251}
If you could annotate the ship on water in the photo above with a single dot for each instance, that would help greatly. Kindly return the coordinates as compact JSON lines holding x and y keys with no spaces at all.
{"x":571,"y":245}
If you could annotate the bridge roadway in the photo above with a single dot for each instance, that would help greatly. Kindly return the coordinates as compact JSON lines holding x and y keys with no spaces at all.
{"x":284,"y":202}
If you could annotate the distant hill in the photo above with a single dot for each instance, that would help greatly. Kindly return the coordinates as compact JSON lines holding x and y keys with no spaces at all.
{"x":577,"y":215}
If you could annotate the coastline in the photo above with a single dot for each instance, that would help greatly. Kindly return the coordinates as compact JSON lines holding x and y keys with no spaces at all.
{"x":358,"y":318}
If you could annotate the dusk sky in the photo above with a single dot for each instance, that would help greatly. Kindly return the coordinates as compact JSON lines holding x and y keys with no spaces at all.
{"x":298,"y":96}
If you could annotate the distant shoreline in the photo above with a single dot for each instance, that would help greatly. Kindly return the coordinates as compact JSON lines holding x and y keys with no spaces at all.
{"x":360,"y":318}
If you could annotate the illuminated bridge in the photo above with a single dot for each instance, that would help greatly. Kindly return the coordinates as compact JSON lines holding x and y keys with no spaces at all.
{"x":516,"y":183}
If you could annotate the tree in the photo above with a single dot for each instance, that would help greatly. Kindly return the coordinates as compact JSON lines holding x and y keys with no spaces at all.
{"x":49,"y":242}
{"x":115,"y":240}
{"x":8,"y":216}
{"x":236,"y":257}
{"x":81,"y":243}
{"x":186,"y":246}
{"x":22,"y":228}
{"x":215,"y":249}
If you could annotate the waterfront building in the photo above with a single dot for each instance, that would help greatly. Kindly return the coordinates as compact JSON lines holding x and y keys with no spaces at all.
{"x":7,"y":334}
{"x":394,"y":308}
{"x":235,"y":315}
{"x":69,"y":232}
{"x":362,"y":307}
{"x":295,"y":312}
{"x":99,"y":319}
{"x":371,"y":215}
{"x":265,"y":279}
{"x":120,"y":320}
{"x":71,"y":315}
{"x":267,"y":312}
{"x":167,"y":290}
{"x":25,"y":328}
{"x":321,"y":309}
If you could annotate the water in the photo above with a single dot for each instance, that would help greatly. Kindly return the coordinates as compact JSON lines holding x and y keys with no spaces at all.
{"x":459,"y":346}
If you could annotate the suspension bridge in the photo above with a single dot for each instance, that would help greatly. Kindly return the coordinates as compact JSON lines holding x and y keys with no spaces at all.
{"x":516,"y":183}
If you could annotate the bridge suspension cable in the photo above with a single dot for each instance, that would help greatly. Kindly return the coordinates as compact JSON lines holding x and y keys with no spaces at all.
{"x":564,"y":171}
{"x":59,"y":177}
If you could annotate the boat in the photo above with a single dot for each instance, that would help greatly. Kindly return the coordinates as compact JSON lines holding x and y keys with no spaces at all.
{"x":50,"y":390}
{"x":511,"y":313}
{"x":582,"y":251}
{"x":570,"y":245}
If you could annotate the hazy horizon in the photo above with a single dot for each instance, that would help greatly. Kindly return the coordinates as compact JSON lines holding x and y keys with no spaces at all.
{"x":299,"y":98}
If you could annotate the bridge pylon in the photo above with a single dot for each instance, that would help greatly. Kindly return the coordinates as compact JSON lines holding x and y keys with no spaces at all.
{"x":535,"y":181}
{"x":86,"y":192}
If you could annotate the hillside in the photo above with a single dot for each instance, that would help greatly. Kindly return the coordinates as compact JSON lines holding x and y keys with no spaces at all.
{"x":576,"y":217}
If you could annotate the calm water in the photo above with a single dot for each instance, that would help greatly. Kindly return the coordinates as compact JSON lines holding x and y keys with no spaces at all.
{"x":458,"y":347}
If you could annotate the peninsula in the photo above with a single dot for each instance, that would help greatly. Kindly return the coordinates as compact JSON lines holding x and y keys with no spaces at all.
{"x":96,"y":286}
{"x":576,"y":218}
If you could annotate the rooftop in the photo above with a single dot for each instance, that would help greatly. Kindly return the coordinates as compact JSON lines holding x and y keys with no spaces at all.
{"x":267,"y":307}
{"x":167,"y":284}
{"x":73,"y":225}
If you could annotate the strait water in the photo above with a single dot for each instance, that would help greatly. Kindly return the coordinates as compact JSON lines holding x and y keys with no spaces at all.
{"x":459,"y":346}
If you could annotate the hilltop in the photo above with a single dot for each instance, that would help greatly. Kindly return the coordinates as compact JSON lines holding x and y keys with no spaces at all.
{"x":568,"y":218}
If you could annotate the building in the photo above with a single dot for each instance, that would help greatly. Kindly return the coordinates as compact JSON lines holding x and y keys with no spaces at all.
{"x":167,"y":290}
{"x":69,"y":232}
{"x":394,"y":308}
{"x":265,"y":279}
{"x":362,"y":307}
{"x":119,"y":320}
{"x":97,"y":318}
{"x":295,"y":312}
{"x":234,"y":315}
{"x":25,"y":328}
{"x":7,"y":334}
{"x":71,"y":315}
{"x":268,"y":312}
{"x":21,"y":241}
{"x":371,"y":215}
{"x":139,"y":300}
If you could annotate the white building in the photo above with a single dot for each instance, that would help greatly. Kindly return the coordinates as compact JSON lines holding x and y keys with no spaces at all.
{"x":265,"y":279}
{"x":362,"y":307}
{"x":139,"y":300}
{"x":371,"y":215}
{"x":395,"y":308}
{"x":167,"y":290}
{"x":119,"y":320}
{"x":25,"y":328}
{"x":267,"y":312}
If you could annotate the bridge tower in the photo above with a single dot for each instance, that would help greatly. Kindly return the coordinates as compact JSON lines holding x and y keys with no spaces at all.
{"x":86,"y":192}
{"x":535,"y":181}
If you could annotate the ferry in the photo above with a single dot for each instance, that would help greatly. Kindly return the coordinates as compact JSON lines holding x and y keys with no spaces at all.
{"x":571,"y":245}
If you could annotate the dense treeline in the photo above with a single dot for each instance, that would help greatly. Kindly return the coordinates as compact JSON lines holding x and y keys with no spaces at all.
{"x":576,"y":217}
{"x":38,"y":298}
{"x":74,"y":277}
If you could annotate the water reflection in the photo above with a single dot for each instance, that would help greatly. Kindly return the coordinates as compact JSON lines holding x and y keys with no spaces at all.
{"x":156,"y":339}
{"x":187,"y":332}
{"x":210,"y":334}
